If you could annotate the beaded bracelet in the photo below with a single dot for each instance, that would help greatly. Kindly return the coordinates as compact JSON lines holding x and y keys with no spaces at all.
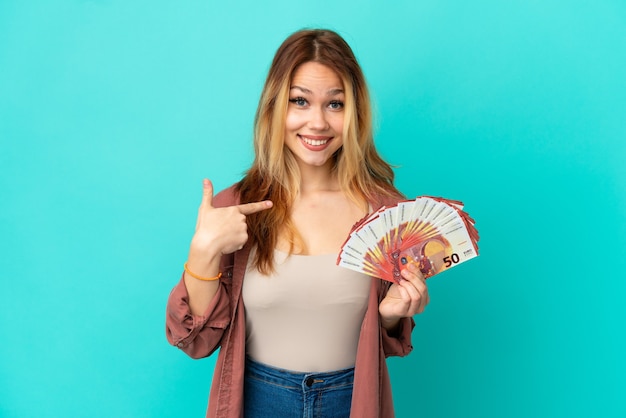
{"x":195,"y":276}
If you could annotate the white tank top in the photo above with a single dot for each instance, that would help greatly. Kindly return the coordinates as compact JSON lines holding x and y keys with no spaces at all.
{"x":307,"y":316}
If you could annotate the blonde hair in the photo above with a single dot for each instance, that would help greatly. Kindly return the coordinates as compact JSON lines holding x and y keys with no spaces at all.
{"x":274,"y":174}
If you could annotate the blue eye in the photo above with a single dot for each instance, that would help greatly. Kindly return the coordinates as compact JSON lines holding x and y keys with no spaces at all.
{"x":403,"y":260}
{"x":298,"y":101}
{"x":336,"y":105}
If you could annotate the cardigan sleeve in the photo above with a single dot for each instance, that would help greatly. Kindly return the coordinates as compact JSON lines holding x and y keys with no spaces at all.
{"x":197,"y":335}
{"x":398,"y":343}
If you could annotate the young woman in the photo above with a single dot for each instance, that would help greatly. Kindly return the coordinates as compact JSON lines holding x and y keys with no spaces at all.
{"x":298,"y":335}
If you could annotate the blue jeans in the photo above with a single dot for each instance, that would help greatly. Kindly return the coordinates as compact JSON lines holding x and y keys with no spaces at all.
{"x":272,"y":392}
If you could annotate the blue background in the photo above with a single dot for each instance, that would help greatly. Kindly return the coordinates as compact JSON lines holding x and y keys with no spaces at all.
{"x":112,"y":112}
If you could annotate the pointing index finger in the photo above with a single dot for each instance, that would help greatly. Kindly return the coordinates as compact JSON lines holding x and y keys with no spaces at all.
{"x":254,"y":207}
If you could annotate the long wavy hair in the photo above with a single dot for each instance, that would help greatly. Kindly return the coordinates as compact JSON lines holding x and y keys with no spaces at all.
{"x":274,"y":174}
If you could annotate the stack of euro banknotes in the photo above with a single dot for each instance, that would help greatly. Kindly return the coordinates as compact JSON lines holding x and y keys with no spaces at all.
{"x":432,"y":232}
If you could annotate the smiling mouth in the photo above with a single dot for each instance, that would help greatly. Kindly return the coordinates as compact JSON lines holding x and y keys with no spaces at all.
{"x":315,"y":142}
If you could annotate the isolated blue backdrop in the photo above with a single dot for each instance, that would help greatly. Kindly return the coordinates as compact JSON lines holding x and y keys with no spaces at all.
{"x":112,"y":112}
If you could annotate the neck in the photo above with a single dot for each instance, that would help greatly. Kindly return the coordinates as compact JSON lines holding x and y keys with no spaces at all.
{"x":313,"y":179}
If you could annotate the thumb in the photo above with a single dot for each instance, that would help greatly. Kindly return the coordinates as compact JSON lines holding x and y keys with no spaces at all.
{"x":207,"y":193}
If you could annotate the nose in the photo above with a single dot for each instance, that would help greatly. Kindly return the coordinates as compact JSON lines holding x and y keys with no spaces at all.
{"x":318,"y":119}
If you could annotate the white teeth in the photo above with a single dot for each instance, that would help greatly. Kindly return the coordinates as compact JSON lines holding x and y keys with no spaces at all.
{"x":315,"y":142}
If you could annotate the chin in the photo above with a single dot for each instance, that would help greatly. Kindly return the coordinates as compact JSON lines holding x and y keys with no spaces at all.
{"x":314,"y":162}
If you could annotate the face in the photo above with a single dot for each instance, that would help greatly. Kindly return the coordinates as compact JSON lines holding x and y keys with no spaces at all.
{"x":314,"y":122}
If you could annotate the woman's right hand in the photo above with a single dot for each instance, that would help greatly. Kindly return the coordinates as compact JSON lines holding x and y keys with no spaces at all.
{"x":219,"y":230}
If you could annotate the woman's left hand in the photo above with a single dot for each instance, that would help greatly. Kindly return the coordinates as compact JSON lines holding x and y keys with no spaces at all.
{"x":404,"y":299}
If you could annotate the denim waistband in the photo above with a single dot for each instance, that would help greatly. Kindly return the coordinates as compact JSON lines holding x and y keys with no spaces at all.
{"x":299,"y":380}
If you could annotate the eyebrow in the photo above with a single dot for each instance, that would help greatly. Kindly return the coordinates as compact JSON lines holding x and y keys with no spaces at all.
{"x":331,"y":92}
